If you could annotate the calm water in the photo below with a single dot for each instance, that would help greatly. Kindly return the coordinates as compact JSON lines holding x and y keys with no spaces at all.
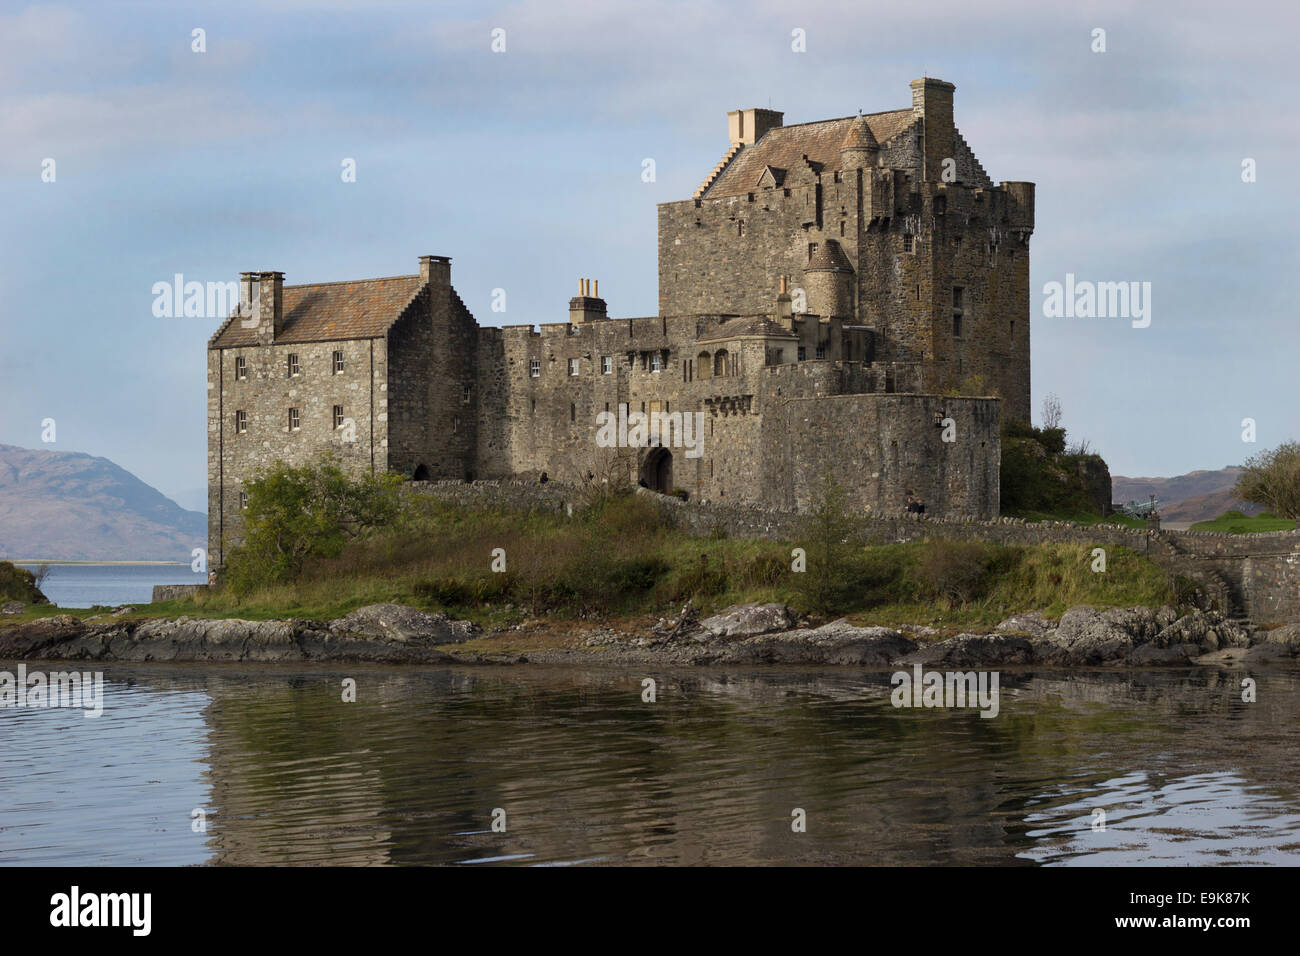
{"x":587,"y":773}
{"x":85,"y":585}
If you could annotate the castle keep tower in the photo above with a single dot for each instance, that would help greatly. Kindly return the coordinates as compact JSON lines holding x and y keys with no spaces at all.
{"x":886,"y":219}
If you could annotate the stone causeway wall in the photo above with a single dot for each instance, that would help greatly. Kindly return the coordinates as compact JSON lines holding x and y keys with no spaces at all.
{"x":1251,"y":576}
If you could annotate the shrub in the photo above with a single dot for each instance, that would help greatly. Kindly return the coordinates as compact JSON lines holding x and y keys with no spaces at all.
{"x":956,"y":572}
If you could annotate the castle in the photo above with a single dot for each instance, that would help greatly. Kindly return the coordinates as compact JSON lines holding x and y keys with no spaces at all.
{"x":847,"y":297}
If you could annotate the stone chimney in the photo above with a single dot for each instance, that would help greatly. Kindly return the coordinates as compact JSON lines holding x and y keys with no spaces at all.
{"x":748,"y":126}
{"x":587,"y":305}
{"x":436,"y":270}
{"x":270,"y":306}
{"x":784,"y":306}
{"x":932,"y":104}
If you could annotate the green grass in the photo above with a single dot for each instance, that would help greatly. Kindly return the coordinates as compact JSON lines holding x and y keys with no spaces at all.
{"x":1082,"y":518}
{"x":1234,"y":522}
{"x":625,"y":562}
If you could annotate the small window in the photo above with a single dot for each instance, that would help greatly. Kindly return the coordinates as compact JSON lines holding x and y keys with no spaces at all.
{"x":241,"y":367}
{"x":573,"y":412}
{"x":243,"y":499}
{"x":812,"y":248}
{"x":338,"y":362}
{"x":573,"y":366}
{"x":338,"y":416}
{"x":740,"y":228}
{"x":455,"y":426}
{"x":293,"y":420}
{"x":1013,"y":326}
{"x":841,"y":227}
{"x":656,"y":362}
{"x":466,"y":395}
{"x":291,"y":365}
{"x":907,"y":242}
{"x":803,"y":353}
{"x":534,"y":368}
{"x":821,"y":352}
{"x":606,"y":364}
{"x":956,"y":297}
{"x":241,"y":422}
{"x":956,"y":326}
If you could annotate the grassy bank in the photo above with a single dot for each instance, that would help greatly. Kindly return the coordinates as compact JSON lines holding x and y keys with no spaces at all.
{"x":624,"y":560}
{"x":1234,"y":522}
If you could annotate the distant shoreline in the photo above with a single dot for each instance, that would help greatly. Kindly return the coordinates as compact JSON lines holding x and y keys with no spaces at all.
{"x":52,"y":561}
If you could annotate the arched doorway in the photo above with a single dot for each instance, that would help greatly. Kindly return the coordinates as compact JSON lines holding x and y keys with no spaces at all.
{"x":421,"y":473}
{"x":657,"y":472}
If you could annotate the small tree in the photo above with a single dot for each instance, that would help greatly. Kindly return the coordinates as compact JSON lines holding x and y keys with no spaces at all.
{"x":1272,"y":479}
{"x":294,"y":514}
{"x":829,"y":574}
{"x":1051,"y":410}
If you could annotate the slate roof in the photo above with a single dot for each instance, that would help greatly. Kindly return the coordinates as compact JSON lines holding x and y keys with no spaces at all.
{"x":330,"y":311}
{"x":760,"y":326}
{"x":784,"y":147}
{"x":829,"y":255}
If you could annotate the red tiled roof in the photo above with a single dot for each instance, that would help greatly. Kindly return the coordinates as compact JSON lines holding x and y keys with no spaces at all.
{"x":330,"y":311}
{"x":785,"y":146}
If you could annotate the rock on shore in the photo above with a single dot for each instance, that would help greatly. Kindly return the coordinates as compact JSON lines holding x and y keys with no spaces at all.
{"x":745,"y":634}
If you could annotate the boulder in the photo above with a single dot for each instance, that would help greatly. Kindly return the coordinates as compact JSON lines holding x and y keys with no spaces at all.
{"x":397,"y":622}
{"x":1033,"y":625}
{"x":12,"y":607}
{"x":748,"y":620}
{"x":838,"y":642}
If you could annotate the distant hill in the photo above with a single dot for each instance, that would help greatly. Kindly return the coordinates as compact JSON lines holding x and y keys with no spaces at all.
{"x":75,"y":507}
{"x":1195,"y":496}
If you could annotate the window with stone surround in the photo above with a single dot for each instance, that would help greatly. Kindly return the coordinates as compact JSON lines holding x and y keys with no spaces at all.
{"x":909,"y":244}
{"x":534,"y":368}
{"x":241,"y":422}
{"x":656,"y":362}
{"x":574,"y":366}
{"x":821,"y":352}
{"x":803,"y":353}
{"x":291,"y":366}
{"x":956,"y":326}
{"x":606,"y":364}
{"x":243,"y":499}
{"x":466,"y":394}
{"x":338,"y":416}
{"x":241,"y":367}
{"x":294,"y":424}
{"x":338,"y":362}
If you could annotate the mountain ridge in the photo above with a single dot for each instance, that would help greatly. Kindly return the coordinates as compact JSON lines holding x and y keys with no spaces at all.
{"x":74,"y":506}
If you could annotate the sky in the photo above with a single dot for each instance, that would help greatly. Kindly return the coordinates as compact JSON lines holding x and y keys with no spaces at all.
{"x":525,"y":166}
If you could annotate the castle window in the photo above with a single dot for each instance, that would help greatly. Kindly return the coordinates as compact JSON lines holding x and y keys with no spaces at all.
{"x":841,"y":227}
{"x":821,"y":352}
{"x":533,"y":407}
{"x":573,"y":412}
{"x":956,"y":243}
{"x":534,"y":368}
{"x":241,"y":367}
{"x":338,"y":416}
{"x":740,"y":228}
{"x":908,"y":245}
{"x":803,"y":353}
{"x":956,"y":296}
{"x":291,"y":365}
{"x":956,"y":326}
{"x":606,"y":364}
{"x":466,"y":395}
{"x":839,"y":176}
{"x":1013,"y":327}
{"x":720,"y":362}
{"x":812,"y":247}
{"x":241,"y":422}
{"x":243,"y":499}
{"x":293,"y":420}
{"x":455,"y":426}
{"x":338,"y":362}
{"x":573,"y":366}
{"x":656,"y":362}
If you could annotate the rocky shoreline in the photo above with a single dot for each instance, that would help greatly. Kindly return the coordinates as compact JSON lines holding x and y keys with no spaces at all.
{"x":745,"y":634}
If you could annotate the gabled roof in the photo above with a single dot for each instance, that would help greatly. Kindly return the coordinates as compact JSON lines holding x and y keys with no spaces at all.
{"x":770,"y":177}
{"x":329,"y":311}
{"x":784,"y":147}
